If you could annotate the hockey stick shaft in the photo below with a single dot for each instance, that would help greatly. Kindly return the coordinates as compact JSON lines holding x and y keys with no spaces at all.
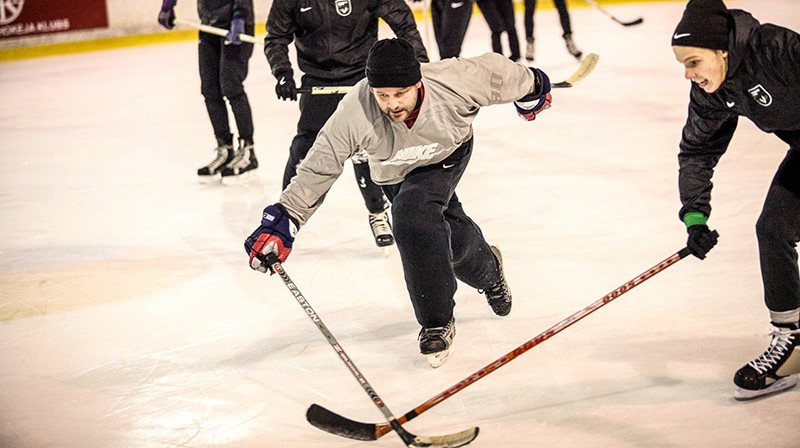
{"x":586,"y":67}
{"x":631,"y":23}
{"x":411,"y":440}
{"x":336,"y":424}
{"x":219,"y":31}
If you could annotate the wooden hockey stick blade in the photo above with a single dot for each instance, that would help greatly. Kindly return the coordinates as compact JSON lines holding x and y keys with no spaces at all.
{"x":336,"y":424}
{"x":588,"y":64}
{"x":219,"y":31}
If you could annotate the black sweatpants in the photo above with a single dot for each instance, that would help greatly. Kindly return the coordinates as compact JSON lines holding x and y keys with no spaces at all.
{"x":314,"y":112}
{"x":438,"y":243}
{"x":778,"y":232}
{"x":563,"y":15}
{"x":499,"y":15}
{"x":450,"y":21}
{"x":223,"y":69}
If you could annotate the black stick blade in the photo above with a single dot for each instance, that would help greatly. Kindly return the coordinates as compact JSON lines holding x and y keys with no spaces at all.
{"x":341,"y":426}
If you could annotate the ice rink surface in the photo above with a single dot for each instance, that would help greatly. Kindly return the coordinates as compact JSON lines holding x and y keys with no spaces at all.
{"x":129,"y":317}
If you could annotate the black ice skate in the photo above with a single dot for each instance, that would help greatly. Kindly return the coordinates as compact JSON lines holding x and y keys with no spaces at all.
{"x":437,"y":343}
{"x":499,"y":296}
{"x":381,"y":228}
{"x":211,"y":172}
{"x":571,"y":47}
{"x":243,"y":167}
{"x":775,"y":370}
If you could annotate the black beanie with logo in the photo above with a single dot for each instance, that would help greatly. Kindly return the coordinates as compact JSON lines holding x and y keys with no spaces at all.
{"x":705,"y":24}
{"x":392,"y":63}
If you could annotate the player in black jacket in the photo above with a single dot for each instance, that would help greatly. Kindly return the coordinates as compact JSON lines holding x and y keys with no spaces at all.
{"x":223,"y":68}
{"x":739,"y":67}
{"x":332,"y":40}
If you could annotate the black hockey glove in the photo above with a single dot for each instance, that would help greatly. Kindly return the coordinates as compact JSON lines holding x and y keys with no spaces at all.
{"x":167,"y":15}
{"x":285,"y":88}
{"x":701,"y":240}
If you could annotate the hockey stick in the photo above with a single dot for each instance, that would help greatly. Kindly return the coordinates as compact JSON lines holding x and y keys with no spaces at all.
{"x":448,"y":441}
{"x":586,"y":67}
{"x":336,"y":424}
{"x":631,"y":23}
{"x":219,"y":31}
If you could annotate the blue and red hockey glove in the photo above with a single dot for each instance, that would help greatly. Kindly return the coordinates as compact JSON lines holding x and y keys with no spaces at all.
{"x":274,"y":235}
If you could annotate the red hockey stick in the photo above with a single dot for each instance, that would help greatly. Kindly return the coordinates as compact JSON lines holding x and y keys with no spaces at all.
{"x":336,"y":424}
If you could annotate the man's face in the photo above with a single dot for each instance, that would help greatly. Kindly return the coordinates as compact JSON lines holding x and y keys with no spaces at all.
{"x":397,"y":102}
{"x":705,"y":67}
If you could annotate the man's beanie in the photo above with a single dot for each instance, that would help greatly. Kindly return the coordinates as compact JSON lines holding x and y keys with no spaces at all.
{"x":705,"y":24}
{"x":391,"y":63}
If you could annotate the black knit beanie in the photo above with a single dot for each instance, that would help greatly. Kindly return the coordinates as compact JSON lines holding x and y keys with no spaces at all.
{"x":705,"y":24}
{"x":391,"y":63}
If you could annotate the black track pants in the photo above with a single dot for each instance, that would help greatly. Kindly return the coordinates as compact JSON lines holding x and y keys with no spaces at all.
{"x":450,"y":22}
{"x":778,"y":232}
{"x":223,"y":69}
{"x":563,"y":15}
{"x":437,"y":241}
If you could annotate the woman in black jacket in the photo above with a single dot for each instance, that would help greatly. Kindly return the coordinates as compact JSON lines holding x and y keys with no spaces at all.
{"x":740,"y":67}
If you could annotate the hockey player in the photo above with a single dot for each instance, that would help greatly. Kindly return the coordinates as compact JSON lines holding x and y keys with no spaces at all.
{"x":223,"y":68}
{"x":740,"y":67}
{"x":415,"y":124}
{"x":332,"y":43}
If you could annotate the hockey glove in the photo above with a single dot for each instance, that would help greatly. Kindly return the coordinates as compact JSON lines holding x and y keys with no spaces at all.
{"x":275,"y":234}
{"x":167,"y":15}
{"x":701,"y":240}
{"x":237,"y":28}
{"x":285,"y":88}
{"x":532,"y":104}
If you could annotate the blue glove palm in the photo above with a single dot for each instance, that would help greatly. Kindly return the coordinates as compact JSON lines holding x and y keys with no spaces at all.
{"x":237,"y":28}
{"x":531,"y":105}
{"x":274,"y":235}
{"x":167,"y":15}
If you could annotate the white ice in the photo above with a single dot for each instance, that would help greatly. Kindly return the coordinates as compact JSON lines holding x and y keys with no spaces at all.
{"x":130,"y":317}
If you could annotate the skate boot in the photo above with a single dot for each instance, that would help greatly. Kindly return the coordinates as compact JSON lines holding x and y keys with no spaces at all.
{"x":437,"y":343}
{"x":243,"y":167}
{"x":529,"y":51}
{"x":211,"y":172}
{"x":381,"y":228}
{"x":571,"y":47}
{"x":775,"y":370}
{"x":499,"y":296}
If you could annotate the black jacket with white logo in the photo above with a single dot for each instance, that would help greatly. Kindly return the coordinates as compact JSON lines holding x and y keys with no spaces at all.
{"x":762,"y":84}
{"x":333,"y":37}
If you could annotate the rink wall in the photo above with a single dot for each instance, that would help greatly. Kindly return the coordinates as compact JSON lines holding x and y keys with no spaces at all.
{"x":134,"y":23}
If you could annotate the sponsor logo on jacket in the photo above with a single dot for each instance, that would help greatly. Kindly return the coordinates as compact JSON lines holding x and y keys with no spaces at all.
{"x":412,"y":154}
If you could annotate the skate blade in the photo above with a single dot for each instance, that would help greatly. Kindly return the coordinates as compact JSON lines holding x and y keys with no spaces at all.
{"x":212,"y":179}
{"x":438,"y":359}
{"x":240,"y":179}
{"x":778,"y":386}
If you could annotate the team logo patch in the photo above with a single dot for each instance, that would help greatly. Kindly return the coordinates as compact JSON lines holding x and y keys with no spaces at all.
{"x":343,"y":7}
{"x":761,"y":95}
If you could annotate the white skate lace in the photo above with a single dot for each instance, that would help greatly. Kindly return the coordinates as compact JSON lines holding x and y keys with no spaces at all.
{"x":781,"y":342}
{"x":380,"y":223}
{"x":222,"y":156}
{"x":241,"y":159}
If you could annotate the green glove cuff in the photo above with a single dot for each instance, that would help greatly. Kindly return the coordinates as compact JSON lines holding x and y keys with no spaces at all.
{"x":694,"y":218}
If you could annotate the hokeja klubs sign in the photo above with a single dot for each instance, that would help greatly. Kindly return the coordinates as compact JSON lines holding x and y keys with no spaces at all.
{"x":19,"y":18}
